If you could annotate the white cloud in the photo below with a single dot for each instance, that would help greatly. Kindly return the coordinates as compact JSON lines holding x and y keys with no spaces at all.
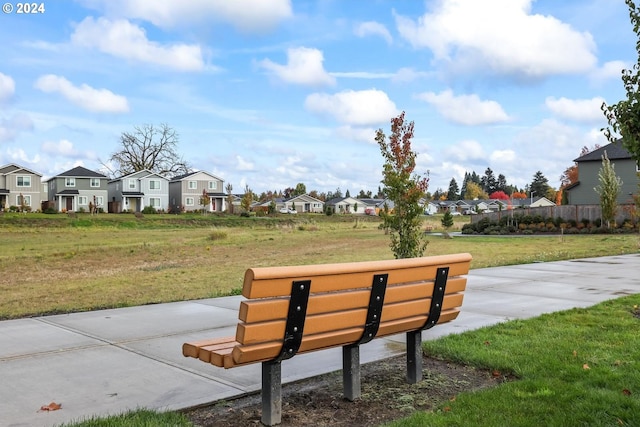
{"x":18,"y":155}
{"x":7,"y":87}
{"x":579,"y":110}
{"x":123,"y":39}
{"x":465,"y":150}
{"x":244,"y":165}
{"x":245,"y":15}
{"x":363,"y":134}
{"x":11,"y":127}
{"x":610,"y":70}
{"x":304,"y":66}
{"x":372,"y":28}
{"x":64,"y":151}
{"x":360,"y":108}
{"x":95,"y":100}
{"x":465,"y":109}
{"x":502,"y":156}
{"x":501,"y":36}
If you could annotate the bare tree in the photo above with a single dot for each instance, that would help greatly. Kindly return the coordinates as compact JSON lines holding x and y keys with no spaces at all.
{"x":148,"y":147}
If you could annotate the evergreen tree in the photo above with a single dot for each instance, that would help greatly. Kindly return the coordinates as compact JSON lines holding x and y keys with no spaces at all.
{"x":488,"y":181}
{"x":452,"y":194}
{"x":540,"y":185}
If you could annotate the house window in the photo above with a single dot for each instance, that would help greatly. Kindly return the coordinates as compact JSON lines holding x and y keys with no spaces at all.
{"x":193,"y":185}
{"x":154,"y":202}
{"x":82,"y":200}
{"x":23,"y":181}
{"x":70,"y":182}
{"x":213,"y":185}
{"x":95,"y":182}
{"x":132,"y":184}
{"x":154,"y":184}
{"x":99,"y":200}
{"x":189,"y":201}
{"x":23,"y":198}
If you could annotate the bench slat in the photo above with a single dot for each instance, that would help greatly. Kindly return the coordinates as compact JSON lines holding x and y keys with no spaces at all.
{"x":326,"y":322}
{"x":276,"y":308}
{"x":191,"y":349}
{"x":276,"y":281}
{"x":244,"y":354}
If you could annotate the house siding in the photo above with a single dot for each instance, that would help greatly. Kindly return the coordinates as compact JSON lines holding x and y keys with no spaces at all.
{"x":9,"y":181}
{"x":584,"y":193}
{"x":180,"y":193}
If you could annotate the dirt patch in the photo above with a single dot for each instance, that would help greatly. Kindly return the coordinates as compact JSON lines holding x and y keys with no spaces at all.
{"x":385,"y":397}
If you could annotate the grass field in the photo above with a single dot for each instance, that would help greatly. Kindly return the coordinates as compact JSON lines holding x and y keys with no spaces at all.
{"x":53,"y":264}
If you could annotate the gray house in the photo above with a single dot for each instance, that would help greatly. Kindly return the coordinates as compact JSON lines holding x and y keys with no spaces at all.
{"x":19,"y":186}
{"x":186,"y":190}
{"x":582,"y":192}
{"x":74,"y":189}
{"x":138,"y":190}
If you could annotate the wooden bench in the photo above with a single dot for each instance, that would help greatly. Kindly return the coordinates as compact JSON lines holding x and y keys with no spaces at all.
{"x":298,"y":309}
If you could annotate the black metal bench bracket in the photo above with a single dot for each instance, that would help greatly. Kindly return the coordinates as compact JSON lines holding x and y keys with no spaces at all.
{"x":439,"y":288}
{"x":376,"y":301}
{"x":295,"y":319}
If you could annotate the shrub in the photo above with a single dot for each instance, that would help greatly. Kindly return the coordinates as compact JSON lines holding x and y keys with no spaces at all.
{"x":149,"y":210}
{"x":50,"y":210}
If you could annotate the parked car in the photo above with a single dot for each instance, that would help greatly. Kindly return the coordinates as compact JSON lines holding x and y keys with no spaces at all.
{"x":288,"y":211}
{"x":370,"y":211}
{"x":469,"y":212}
{"x":455,"y":213}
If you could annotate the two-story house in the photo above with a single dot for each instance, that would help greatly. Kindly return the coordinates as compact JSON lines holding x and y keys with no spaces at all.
{"x":582,"y":192}
{"x":138,"y":190}
{"x":19,"y":187}
{"x":76,"y":188}
{"x":186,"y":191}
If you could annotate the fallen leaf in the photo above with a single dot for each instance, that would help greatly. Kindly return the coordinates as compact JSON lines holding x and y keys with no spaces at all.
{"x":496,"y":373}
{"x":585,"y":366}
{"x":575,"y":353}
{"x":626,"y":392}
{"x":53,"y":406}
{"x":447,"y":408}
{"x":453,"y":399}
{"x":487,"y":343}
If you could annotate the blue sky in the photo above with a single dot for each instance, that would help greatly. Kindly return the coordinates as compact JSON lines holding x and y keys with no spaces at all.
{"x":270,"y":93}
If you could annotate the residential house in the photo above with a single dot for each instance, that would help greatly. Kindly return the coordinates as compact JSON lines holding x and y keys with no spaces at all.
{"x":346,"y":205}
{"x":186,"y":191}
{"x":76,"y":188}
{"x":19,"y":186}
{"x":582,"y":192}
{"x":303,"y":203}
{"x":138,"y":190}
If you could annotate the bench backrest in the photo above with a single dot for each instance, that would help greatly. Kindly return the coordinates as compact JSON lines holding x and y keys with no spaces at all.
{"x":338,"y":303}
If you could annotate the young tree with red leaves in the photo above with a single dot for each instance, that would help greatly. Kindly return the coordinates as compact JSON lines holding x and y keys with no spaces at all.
{"x":499,"y":195}
{"x":404,"y":188}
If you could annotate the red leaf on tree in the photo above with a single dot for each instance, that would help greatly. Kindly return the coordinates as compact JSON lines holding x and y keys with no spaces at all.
{"x":53,"y":406}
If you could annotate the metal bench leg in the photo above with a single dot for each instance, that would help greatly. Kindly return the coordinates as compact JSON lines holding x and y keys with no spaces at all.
{"x":351,"y":371}
{"x":271,"y":393}
{"x":414,"y":357}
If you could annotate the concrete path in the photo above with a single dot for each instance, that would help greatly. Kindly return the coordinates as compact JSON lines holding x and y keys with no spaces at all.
{"x":109,"y":361}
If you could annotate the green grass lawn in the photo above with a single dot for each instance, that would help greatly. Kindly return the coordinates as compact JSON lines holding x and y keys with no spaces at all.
{"x":579,"y":367}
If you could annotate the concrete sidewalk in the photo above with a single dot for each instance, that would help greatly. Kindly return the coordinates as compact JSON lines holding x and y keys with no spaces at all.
{"x":109,"y":361}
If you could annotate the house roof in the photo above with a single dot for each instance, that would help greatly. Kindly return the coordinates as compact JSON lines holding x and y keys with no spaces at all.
{"x":615,"y":151}
{"x":12,"y":167}
{"x":68,"y":192}
{"x":144,"y":173}
{"x":81,"y":172}
{"x":188,"y":174}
